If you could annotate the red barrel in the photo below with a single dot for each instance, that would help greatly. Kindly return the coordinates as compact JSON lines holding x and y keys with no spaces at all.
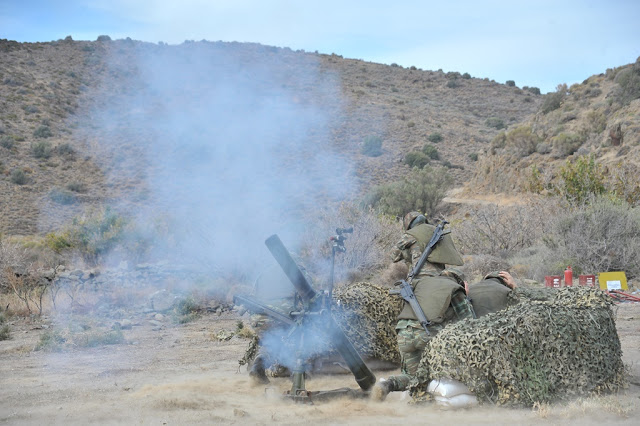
{"x":553,"y":281}
{"x":568,"y":276}
{"x":589,"y":280}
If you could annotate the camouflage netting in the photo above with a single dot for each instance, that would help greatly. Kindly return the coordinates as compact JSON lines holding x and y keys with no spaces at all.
{"x":554,"y":344}
{"x":368,"y":314}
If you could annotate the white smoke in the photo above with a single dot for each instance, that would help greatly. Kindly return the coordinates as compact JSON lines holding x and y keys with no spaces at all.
{"x":230,"y":142}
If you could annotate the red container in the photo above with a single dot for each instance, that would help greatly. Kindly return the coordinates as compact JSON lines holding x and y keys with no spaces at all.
{"x":554,"y":281}
{"x":589,"y":280}
{"x":568,"y":276}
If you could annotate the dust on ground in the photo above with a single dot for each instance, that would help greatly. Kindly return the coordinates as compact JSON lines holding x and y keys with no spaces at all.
{"x":181,"y":374}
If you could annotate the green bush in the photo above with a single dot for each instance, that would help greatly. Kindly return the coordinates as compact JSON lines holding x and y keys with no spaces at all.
{"x":520,"y":141}
{"x":57,"y":242}
{"x":567,"y":143}
{"x":431,"y":152}
{"x":416,"y":159}
{"x":7,"y":142}
{"x":534,"y":90}
{"x":473,"y":156}
{"x":41,"y":149}
{"x":65,"y":149}
{"x":372,"y":146}
{"x":552,"y":101}
{"x":50,"y":341}
{"x":77,"y":187}
{"x":97,"y":233}
{"x":628,"y":81}
{"x":186,"y":310}
{"x":421,"y":190}
{"x":510,"y":83}
{"x":582,"y":180}
{"x":435,"y":137}
{"x":495,"y":122}
{"x":62,"y":196}
{"x":452,"y":84}
{"x":43,"y":132}
{"x":597,"y":120}
{"x":18,"y":177}
{"x":466,"y":76}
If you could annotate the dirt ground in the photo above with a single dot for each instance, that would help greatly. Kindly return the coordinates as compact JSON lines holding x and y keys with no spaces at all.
{"x":181,"y":374}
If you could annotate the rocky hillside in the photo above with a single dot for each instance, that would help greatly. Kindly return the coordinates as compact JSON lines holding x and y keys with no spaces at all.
{"x":75,"y":118}
{"x":599,"y":117}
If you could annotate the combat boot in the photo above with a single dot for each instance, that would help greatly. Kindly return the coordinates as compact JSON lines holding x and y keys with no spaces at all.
{"x":257,"y":373}
{"x":381,"y":389}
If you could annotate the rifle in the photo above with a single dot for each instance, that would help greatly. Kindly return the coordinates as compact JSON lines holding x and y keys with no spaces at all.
{"x":406,"y":289}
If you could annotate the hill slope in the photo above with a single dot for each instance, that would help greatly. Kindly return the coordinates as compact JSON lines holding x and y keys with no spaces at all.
{"x":86,"y":123}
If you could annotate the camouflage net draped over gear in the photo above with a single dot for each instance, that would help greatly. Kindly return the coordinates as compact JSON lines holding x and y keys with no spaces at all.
{"x":555,"y":344}
{"x":368,"y":314}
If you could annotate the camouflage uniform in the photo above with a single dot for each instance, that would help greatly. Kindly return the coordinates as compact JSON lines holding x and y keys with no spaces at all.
{"x":442,"y":298}
{"x":412,"y":339}
{"x":490,"y":295}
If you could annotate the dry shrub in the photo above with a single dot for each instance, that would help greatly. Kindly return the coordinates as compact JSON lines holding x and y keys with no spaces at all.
{"x":624,"y":182}
{"x":392,"y":273}
{"x":598,"y":237}
{"x":477,"y":266}
{"x":501,"y":231}
{"x":367,"y":248}
{"x":21,"y":274}
{"x":30,"y":288}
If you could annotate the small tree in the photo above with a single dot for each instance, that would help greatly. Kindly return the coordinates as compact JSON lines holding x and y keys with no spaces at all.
{"x":416,"y":159}
{"x":581,"y":180}
{"x":18,"y":177}
{"x":41,"y":149}
{"x":435,"y":137}
{"x":552,"y":101}
{"x":43,"y":132}
{"x":421,"y":190}
{"x":431,"y":152}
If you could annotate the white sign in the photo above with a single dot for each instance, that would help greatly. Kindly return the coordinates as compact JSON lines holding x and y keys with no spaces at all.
{"x":614,"y":285}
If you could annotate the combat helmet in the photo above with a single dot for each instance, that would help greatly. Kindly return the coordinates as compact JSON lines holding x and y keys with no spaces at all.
{"x":412,"y":219}
{"x":454,"y":273}
{"x":493,"y":274}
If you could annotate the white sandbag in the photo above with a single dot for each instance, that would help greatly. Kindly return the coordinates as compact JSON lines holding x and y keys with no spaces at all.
{"x":447,"y":388}
{"x":456,"y":402}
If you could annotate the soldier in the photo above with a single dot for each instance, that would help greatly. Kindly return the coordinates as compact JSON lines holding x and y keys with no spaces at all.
{"x":441,"y":297}
{"x":492,"y":293}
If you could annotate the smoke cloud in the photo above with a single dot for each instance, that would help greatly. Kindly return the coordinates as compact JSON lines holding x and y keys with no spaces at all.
{"x":223,"y":143}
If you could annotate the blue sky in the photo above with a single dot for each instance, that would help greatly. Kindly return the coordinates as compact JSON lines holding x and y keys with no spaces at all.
{"x":536,"y":43}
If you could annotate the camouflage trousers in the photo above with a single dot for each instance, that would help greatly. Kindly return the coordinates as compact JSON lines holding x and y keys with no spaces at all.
{"x":411,"y":343}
